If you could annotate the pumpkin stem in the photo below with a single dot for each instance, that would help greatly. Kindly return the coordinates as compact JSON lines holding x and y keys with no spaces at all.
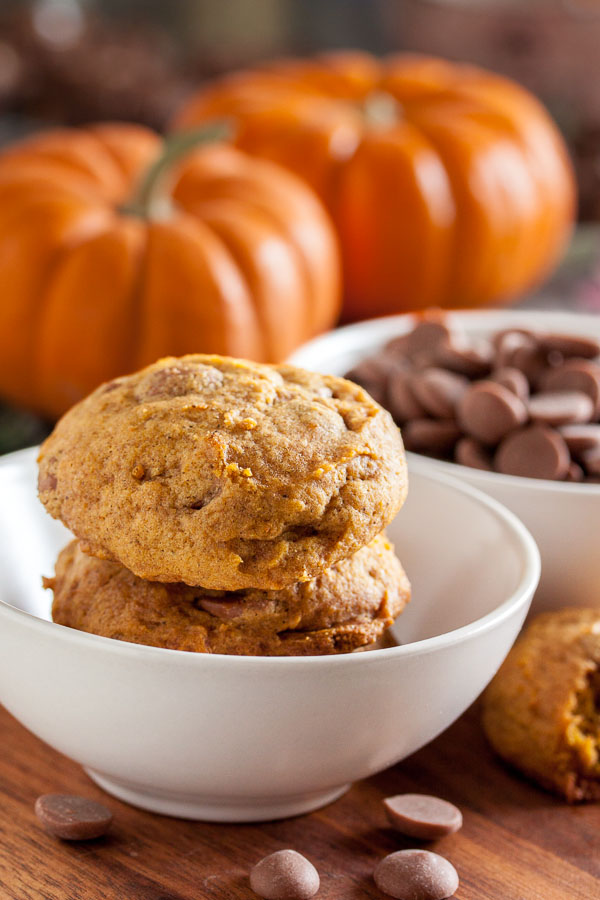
{"x":151,"y":200}
{"x":381,"y":110}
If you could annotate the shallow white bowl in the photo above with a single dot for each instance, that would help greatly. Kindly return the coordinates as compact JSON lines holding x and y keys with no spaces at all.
{"x":564,"y":518}
{"x":227,"y":738}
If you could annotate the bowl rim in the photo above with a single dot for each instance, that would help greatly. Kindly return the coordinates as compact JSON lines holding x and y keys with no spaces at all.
{"x":520,"y":597}
{"x":353,"y":337}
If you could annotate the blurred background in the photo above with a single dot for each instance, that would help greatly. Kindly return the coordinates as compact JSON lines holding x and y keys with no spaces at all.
{"x":76,"y":61}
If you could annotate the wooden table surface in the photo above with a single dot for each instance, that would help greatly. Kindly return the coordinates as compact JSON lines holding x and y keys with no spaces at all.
{"x":517,"y":843}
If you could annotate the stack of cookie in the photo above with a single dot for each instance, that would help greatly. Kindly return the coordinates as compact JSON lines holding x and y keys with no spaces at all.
{"x":222,"y":506}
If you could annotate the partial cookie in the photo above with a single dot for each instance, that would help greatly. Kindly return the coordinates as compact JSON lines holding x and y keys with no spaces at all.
{"x":224,"y":473}
{"x":542,"y":710}
{"x":346,"y":607}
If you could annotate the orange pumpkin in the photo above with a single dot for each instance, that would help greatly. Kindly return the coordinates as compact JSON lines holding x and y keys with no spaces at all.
{"x":238,"y":257}
{"x":448,"y":185}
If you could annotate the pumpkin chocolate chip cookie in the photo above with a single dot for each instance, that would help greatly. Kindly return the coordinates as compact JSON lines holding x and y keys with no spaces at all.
{"x":542,"y":710}
{"x":346,"y":607}
{"x":225,"y":473}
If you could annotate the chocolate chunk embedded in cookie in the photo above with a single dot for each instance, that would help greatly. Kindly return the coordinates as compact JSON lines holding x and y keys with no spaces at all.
{"x":346,"y":607}
{"x":224,"y":473}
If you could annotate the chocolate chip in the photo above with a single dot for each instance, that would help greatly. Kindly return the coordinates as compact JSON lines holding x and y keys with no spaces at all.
{"x":591,"y":461}
{"x":579,"y":438}
{"x":179,"y":380}
{"x":575,"y":375}
{"x":470,"y":358}
{"x":372,"y":374}
{"x":533,"y":452}
{"x":575,"y":473}
{"x":561,"y":407}
{"x":402,"y":402}
{"x":438,"y":391}
{"x":458,"y":398}
{"x":431,"y":435}
{"x":422,"y":816}
{"x":571,"y":345}
{"x":284,"y":875}
{"x":499,"y":336}
{"x":469,"y":452}
{"x":423,"y":339}
{"x":416,"y":875}
{"x":488,"y":411}
{"x":521,"y":350}
{"x":47,"y":483}
{"x":513,"y":380}
{"x":72,"y":818}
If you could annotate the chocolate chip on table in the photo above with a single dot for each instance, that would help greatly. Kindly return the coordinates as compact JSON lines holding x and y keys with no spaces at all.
{"x":416,"y":875}
{"x":422,"y":816}
{"x":469,"y":452}
{"x":535,"y":451}
{"x":438,"y":391}
{"x":284,"y":875}
{"x":561,"y":407}
{"x":488,"y":411}
{"x":72,"y":818}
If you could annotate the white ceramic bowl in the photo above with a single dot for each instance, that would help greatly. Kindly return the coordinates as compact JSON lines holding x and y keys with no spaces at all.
{"x":563,"y":518}
{"x":227,"y":738}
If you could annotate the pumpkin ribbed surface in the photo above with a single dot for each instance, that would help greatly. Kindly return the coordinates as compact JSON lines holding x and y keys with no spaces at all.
{"x":233,"y":256}
{"x":448,"y":185}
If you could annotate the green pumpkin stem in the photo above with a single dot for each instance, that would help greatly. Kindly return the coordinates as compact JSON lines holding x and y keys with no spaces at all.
{"x":151,"y":200}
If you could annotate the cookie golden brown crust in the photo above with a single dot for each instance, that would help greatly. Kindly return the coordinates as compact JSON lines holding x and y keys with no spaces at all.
{"x":346,"y":607}
{"x":542,"y":710}
{"x":224,"y":473}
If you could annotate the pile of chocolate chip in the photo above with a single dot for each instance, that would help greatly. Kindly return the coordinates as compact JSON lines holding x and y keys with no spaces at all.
{"x":520,"y":402}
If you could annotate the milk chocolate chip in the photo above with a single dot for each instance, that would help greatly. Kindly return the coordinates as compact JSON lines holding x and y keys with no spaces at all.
{"x":284,"y":875}
{"x":422,"y":816}
{"x":416,"y":875}
{"x":571,"y":345}
{"x":576,"y":375}
{"x":438,"y":391}
{"x":561,"y":407}
{"x":461,"y":398}
{"x":488,"y":411}
{"x":533,"y":452}
{"x":431,"y":435}
{"x":72,"y":818}
{"x":469,"y":452}
{"x":513,"y":379}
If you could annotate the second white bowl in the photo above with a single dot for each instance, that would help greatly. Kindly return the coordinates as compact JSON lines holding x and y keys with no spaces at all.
{"x":563,"y":518}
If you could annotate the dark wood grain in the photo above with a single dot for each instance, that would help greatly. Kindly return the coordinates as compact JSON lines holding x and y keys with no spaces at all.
{"x":517,"y":843}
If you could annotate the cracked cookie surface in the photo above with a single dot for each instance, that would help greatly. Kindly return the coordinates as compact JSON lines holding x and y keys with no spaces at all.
{"x":225,"y":473}
{"x":346,"y":607}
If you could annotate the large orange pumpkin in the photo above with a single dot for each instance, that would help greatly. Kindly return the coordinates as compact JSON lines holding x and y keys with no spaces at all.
{"x":448,"y":185}
{"x":237,"y":257}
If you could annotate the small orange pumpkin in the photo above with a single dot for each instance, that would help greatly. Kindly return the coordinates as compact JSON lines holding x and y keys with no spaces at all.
{"x":239,"y":258}
{"x":448,"y":185}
